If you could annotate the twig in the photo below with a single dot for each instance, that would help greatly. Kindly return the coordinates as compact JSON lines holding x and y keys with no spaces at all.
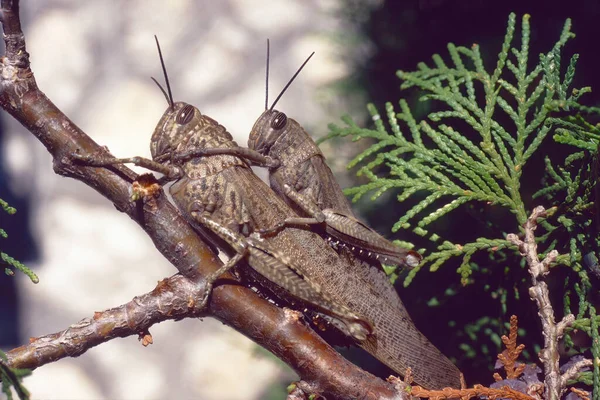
{"x":172,"y":299}
{"x":315,"y":361}
{"x":551,"y":330}
{"x":509,"y":357}
{"x":575,"y":370}
{"x":582,"y":394}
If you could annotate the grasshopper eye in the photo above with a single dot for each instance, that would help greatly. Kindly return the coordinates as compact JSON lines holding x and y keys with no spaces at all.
{"x":279,"y":121}
{"x":185,"y":114}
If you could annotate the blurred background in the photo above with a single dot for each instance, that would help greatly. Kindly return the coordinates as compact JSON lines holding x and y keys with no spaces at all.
{"x":94,"y":60}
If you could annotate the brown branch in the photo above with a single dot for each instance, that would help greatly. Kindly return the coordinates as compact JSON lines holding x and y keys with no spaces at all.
{"x":173,"y":298}
{"x":551,"y":330}
{"x":322,"y":369}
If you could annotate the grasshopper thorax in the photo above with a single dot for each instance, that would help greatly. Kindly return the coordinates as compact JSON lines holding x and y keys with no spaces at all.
{"x":267,"y":130}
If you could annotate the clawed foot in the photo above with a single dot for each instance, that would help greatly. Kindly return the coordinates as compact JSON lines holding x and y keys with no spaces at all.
{"x":206,"y":297}
{"x":272,"y":163}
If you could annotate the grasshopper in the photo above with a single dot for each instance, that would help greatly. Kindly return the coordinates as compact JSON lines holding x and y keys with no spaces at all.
{"x":307,"y":183}
{"x":220,"y":192}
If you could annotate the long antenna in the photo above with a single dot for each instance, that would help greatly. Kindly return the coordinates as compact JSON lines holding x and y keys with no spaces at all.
{"x":164,"y":68}
{"x":267,"y":78}
{"x":290,"y":81}
{"x":162,"y":90}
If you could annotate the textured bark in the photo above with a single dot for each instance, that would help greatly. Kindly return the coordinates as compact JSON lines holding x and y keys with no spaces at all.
{"x":323,"y":371}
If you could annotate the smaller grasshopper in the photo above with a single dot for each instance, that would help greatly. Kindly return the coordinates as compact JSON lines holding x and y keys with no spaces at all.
{"x":299,"y":173}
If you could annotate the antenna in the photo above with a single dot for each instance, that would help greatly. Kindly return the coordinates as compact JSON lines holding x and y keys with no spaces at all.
{"x":290,"y":81}
{"x":163,"y":90}
{"x":169,"y":97}
{"x":267,"y":78}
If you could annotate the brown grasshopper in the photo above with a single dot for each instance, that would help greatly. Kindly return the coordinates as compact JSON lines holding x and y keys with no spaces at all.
{"x":307,"y":183}
{"x":221,"y":192}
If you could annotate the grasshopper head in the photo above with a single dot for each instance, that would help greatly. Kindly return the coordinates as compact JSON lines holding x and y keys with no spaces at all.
{"x":173,"y":130}
{"x":269,"y":127}
{"x":272,"y":124}
{"x":182,"y":125}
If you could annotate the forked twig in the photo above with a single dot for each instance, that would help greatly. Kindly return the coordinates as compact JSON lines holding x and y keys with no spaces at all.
{"x":552,"y":331}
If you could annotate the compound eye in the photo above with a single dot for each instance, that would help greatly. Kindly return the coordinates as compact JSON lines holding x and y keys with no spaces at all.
{"x":185,"y":115}
{"x":279,"y":121}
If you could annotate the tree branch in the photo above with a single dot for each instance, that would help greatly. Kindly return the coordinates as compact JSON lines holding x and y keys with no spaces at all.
{"x":173,"y":298}
{"x":575,"y":370}
{"x":551,"y":330}
{"x":322,"y":369}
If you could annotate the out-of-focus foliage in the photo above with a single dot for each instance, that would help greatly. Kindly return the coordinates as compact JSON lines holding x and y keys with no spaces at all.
{"x":8,"y":260}
{"x":11,"y":378}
